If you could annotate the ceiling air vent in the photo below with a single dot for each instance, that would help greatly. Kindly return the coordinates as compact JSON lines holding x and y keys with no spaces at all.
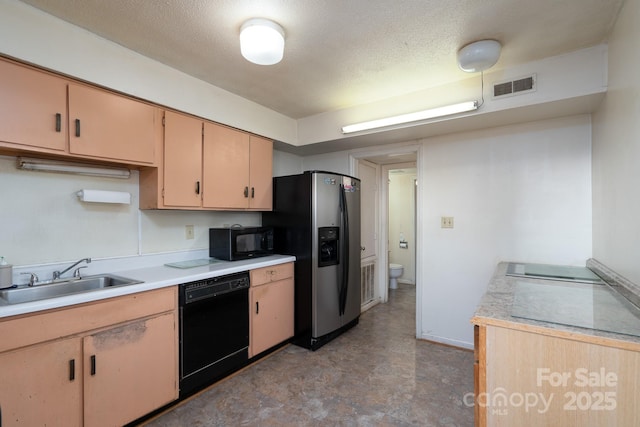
{"x":515,"y":87}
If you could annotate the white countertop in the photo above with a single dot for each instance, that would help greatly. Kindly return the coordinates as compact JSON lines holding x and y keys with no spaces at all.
{"x":496,"y":306}
{"x":154,"y":277}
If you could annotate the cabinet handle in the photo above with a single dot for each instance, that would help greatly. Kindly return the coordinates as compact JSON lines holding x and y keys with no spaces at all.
{"x":72,"y":369}
{"x":197,"y":187}
{"x":78,"y":128}
{"x":257,"y":307}
{"x":58,"y":122}
{"x":253,"y":192}
{"x":246,"y":191}
{"x":93,"y":365}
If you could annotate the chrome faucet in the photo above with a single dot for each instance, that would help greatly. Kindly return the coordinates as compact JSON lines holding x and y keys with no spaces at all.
{"x":57,"y":274}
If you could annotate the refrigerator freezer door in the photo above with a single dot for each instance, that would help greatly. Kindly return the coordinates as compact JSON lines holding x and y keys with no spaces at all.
{"x":325,"y":281}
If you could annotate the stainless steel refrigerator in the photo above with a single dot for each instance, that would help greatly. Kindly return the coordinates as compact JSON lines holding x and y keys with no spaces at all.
{"x":316,"y":217}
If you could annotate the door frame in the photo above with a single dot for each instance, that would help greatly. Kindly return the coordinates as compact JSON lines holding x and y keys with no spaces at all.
{"x":383,"y":255}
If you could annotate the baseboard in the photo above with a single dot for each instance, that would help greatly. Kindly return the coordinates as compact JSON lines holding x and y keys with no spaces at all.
{"x":447,"y":341}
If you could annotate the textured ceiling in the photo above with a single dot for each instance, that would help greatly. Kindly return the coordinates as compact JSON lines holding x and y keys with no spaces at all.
{"x":338,"y":53}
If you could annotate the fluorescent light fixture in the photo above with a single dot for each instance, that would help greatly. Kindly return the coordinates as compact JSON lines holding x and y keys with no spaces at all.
{"x":262,"y":41}
{"x":46,"y":165}
{"x":412,"y":117}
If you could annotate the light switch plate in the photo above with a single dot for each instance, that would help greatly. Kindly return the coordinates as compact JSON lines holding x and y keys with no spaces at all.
{"x":188,"y":232}
{"x":446,"y":222}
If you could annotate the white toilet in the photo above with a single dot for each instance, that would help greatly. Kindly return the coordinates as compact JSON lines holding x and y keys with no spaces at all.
{"x":395,"y":271}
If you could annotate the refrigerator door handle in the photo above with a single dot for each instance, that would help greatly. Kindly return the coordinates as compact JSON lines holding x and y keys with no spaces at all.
{"x":344,"y":282}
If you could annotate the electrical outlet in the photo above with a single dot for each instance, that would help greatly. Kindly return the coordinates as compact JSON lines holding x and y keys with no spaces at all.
{"x":446,"y":222}
{"x":188,"y":232}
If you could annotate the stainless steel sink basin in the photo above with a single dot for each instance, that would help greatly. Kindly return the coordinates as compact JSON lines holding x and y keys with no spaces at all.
{"x":56,"y":289}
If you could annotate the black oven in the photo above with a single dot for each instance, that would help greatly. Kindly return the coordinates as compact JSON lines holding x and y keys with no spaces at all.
{"x":214,"y":329}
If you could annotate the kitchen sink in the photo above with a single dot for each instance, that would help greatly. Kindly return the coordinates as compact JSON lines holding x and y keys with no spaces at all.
{"x":61,"y":288}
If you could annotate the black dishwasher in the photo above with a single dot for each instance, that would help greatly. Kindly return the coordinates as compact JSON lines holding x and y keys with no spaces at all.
{"x":214,"y":329}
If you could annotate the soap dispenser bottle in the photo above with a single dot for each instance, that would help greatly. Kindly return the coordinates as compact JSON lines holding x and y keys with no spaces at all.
{"x":6,"y":273}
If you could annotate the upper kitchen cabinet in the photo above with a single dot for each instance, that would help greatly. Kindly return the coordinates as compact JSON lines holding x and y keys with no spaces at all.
{"x":238,"y":169}
{"x":109,"y":126}
{"x":208,"y":166}
{"x":261,"y":173}
{"x":33,"y":107}
{"x":182,"y":177}
{"x":45,"y":113}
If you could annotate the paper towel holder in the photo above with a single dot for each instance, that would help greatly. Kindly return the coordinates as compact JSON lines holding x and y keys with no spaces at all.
{"x":101,"y":196}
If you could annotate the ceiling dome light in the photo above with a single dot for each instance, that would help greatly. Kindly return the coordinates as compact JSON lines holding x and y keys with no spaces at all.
{"x":479,"y":56}
{"x":262,"y":41}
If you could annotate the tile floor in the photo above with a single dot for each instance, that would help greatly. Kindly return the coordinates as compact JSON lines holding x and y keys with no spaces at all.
{"x":376,"y":374}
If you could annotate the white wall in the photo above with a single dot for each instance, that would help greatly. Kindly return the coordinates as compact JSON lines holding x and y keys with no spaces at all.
{"x":519,"y":193}
{"x":43,"y":221}
{"x":402,"y":222}
{"x":286,"y":163}
{"x":616,"y":152}
{"x":337,"y":162}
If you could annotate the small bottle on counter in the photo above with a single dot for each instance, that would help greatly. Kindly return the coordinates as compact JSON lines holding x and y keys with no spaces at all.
{"x":6,"y":273}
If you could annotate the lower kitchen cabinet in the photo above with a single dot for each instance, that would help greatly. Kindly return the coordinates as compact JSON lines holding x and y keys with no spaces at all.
{"x":533,"y":378}
{"x":271,"y":307}
{"x":129,"y":371}
{"x":123,"y":367}
{"x":42,"y":385}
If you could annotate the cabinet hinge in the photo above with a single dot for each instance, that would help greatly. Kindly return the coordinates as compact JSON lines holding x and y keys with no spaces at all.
{"x":163,"y":193}
{"x":162,"y":120}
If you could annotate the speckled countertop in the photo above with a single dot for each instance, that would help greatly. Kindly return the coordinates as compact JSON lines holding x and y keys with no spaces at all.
{"x":496,"y":305}
{"x":153,"y":277}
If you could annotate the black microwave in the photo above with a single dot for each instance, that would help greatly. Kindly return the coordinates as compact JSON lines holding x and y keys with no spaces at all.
{"x":237,"y":243}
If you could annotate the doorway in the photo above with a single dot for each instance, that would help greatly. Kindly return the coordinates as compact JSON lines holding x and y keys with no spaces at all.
{"x":382,"y":161}
{"x":401,"y":190}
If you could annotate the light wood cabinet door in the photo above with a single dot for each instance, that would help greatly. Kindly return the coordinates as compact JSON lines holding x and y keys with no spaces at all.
{"x":110,"y":126}
{"x":41,"y":385}
{"x":271,"y":320}
{"x":33,"y":107}
{"x":261,"y":174}
{"x":130,"y":371}
{"x":183,"y":184}
{"x":534,"y":379}
{"x":226,"y":167}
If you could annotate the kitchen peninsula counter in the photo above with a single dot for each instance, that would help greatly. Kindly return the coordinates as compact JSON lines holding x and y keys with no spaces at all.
{"x":496,"y":305}
{"x":533,"y":372}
